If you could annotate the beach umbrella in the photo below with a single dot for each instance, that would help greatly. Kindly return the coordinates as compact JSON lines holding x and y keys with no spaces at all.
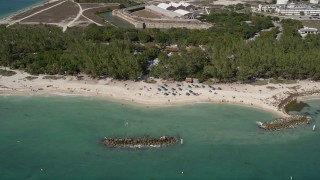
{"x":166,"y":85}
{"x":190,"y":91}
{"x":159,"y":89}
{"x":187,"y":94}
{"x":189,"y":86}
{"x":219,"y":88}
{"x":203,"y":86}
{"x":180,"y":89}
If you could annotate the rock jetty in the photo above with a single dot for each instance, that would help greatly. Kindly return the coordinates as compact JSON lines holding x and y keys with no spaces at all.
{"x":294,"y":96}
{"x":282,"y":123}
{"x":291,"y":121}
{"x":140,"y":142}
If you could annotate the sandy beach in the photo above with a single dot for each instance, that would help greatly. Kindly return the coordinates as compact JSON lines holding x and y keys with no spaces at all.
{"x":265,"y":97}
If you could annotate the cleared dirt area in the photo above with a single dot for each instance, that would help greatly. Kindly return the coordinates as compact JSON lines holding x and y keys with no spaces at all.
{"x":81,"y":22}
{"x":64,"y":14}
{"x":91,"y":5}
{"x":146,"y":14}
{"x":312,"y":24}
{"x":60,"y":14}
{"x":34,"y":10}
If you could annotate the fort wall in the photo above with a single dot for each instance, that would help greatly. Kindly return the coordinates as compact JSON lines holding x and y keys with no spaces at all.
{"x":140,"y":22}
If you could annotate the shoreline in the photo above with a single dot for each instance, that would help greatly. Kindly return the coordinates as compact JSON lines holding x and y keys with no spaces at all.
{"x":137,"y":103}
{"x":142,"y":94}
{"x":4,"y":19}
{"x":306,"y":98}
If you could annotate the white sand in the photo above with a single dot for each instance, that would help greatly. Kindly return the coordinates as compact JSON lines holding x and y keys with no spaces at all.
{"x":148,"y":94}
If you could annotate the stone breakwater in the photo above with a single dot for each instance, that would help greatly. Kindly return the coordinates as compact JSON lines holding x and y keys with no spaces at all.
{"x":140,"y":142}
{"x":293,"y":96}
{"x":293,"y":120}
{"x":282,"y":123}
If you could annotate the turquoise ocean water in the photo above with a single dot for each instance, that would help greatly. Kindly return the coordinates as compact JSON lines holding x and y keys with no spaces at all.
{"x":59,"y":138}
{"x":8,"y":7}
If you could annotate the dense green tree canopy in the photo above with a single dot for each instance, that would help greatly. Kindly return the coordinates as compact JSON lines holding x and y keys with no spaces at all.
{"x":222,"y":52}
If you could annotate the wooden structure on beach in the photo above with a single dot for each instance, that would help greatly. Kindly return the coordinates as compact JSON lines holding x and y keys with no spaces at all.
{"x":189,"y":80}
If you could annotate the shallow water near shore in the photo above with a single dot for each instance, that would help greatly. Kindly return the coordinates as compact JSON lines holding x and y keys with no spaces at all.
{"x":58,"y":137}
{"x":7,"y":7}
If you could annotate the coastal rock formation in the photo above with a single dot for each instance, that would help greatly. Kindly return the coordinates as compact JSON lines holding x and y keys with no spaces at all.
{"x":282,"y":123}
{"x":140,"y":142}
{"x":293,"y":120}
{"x":293,"y":96}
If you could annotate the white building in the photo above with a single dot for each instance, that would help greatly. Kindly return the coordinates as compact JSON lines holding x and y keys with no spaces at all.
{"x":298,"y":10}
{"x":314,"y":1}
{"x":174,"y":6}
{"x":166,"y":6}
{"x":290,"y":9}
{"x":184,"y":13}
{"x":162,"y":12}
{"x":306,"y":30}
{"x":187,"y":6}
{"x":282,"y":2}
{"x":268,"y":7}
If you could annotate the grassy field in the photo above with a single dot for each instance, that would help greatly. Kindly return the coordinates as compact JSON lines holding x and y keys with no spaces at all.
{"x":282,"y":81}
{"x":7,"y":73}
{"x":260,"y":82}
{"x":146,"y":14}
{"x":312,"y":24}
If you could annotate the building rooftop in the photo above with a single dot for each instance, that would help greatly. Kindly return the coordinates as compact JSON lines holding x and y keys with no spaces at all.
{"x":163,"y":11}
{"x":175,"y":4}
{"x":185,"y":4}
{"x":307,"y":29}
{"x":164,"y":5}
{"x":182,"y":12}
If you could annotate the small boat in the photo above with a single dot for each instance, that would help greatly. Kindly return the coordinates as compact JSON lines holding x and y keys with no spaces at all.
{"x":314,"y":127}
{"x":181,"y":141}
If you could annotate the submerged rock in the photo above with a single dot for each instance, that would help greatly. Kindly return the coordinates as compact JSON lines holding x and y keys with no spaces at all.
{"x":295,"y":105}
